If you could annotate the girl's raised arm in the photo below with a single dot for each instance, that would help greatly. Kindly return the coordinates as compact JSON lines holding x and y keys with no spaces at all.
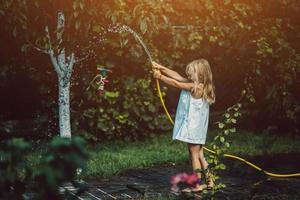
{"x":173,"y":82}
{"x":171,"y":73}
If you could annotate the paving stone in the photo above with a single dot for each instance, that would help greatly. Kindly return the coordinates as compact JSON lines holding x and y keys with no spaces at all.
{"x":242,"y":182}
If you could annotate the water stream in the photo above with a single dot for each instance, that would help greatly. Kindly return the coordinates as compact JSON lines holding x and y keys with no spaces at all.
{"x":124,"y":28}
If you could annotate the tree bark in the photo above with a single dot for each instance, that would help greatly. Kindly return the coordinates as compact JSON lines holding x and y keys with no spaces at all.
{"x":64,"y":108}
{"x":63,"y":66}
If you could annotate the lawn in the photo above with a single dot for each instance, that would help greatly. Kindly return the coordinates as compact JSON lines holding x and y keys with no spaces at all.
{"x":110,"y":158}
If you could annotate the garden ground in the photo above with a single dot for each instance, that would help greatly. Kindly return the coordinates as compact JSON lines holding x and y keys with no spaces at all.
{"x":112,"y":157}
{"x":142,"y":169}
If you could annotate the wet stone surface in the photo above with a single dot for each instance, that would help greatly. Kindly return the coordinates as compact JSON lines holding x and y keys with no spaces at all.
{"x":242,"y":182}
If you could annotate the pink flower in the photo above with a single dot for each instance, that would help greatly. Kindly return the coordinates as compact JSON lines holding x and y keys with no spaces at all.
{"x":175,"y":180}
{"x":175,"y":188}
{"x":192,"y":179}
{"x":184,"y":178}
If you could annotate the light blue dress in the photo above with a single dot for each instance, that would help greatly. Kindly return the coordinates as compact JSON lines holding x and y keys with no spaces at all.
{"x":191,"y":121}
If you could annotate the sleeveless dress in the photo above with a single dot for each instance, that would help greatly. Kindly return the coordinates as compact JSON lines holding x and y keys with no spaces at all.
{"x":191,"y":121}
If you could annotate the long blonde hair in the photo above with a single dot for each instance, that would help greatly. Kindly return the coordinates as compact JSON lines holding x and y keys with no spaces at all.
{"x":199,"y":72}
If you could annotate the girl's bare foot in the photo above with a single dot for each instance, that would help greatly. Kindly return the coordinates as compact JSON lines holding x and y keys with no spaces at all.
{"x":208,"y":178}
{"x":198,"y":188}
{"x":187,"y":190}
{"x":210,"y":183}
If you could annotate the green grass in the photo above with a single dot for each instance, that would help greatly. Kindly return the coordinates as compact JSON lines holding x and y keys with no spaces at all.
{"x":110,"y":158}
{"x":250,"y":144}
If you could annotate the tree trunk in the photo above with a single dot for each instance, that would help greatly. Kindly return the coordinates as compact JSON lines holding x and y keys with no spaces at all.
{"x":63,"y":66}
{"x":64,"y":108}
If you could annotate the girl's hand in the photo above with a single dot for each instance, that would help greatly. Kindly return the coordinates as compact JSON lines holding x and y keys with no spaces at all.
{"x":157,"y":66}
{"x":156,"y":74}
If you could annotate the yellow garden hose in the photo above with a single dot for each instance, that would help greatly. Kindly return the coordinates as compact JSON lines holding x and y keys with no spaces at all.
{"x":225,"y":155}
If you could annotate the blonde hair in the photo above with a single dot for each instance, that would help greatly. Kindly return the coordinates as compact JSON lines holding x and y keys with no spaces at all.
{"x":200,"y":73}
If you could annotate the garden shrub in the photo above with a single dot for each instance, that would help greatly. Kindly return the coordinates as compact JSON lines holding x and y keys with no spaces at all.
{"x":58,"y":165}
{"x":129,"y":111}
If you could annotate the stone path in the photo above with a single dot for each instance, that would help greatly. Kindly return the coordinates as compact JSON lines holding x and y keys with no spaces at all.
{"x":153,"y":183}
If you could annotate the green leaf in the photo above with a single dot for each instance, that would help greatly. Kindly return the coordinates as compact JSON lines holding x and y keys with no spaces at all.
{"x":232,"y":130}
{"x":227,"y":144}
{"x":227,"y":115}
{"x":2,"y":12}
{"x":112,"y":94}
{"x":36,"y":4}
{"x":74,"y":5}
{"x":146,"y":103}
{"x":226,"y":2}
{"x":258,"y":71}
{"x":81,"y":5}
{"x":152,"y":108}
{"x":237,"y":114}
{"x":213,"y":38}
{"x":222,"y":139}
{"x":222,"y":166}
{"x":143,"y":25}
{"x":241,"y":25}
{"x":77,"y":24}
{"x":24,"y":48}
{"x":96,"y":29}
{"x":76,"y":13}
{"x":221,"y":125}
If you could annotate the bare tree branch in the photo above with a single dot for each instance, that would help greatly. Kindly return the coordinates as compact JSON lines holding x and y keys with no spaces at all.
{"x":81,"y":59}
{"x":60,"y":29}
{"x":72,"y":62}
{"x":188,"y":27}
{"x":55,"y":63}
{"x":61,"y":58}
{"x":46,"y":51}
{"x":49,"y":38}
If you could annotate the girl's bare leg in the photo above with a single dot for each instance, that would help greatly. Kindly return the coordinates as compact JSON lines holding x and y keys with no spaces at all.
{"x":190,"y":155}
{"x":204,"y":165}
{"x":194,"y":150}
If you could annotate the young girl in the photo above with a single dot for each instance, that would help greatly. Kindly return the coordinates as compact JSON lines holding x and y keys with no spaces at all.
{"x":191,"y":122}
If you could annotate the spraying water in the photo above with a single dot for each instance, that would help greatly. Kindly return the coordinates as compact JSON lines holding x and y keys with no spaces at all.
{"x":124,"y":28}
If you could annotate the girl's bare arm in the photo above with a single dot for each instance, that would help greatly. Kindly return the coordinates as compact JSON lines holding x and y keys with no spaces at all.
{"x":171,"y":73}
{"x":173,"y":82}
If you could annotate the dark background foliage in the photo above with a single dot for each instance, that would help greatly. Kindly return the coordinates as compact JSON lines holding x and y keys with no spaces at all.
{"x":248,"y":43}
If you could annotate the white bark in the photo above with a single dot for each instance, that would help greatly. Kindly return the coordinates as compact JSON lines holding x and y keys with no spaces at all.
{"x":63,"y":66}
{"x":64,"y":109}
